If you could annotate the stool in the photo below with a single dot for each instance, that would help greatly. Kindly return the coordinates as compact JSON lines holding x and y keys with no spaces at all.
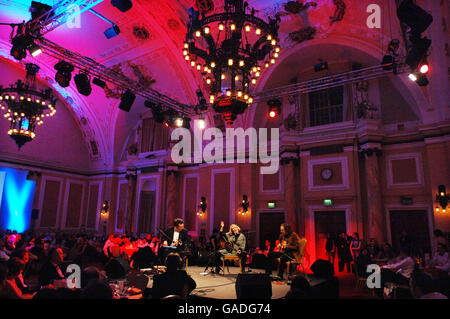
{"x":231,"y":257}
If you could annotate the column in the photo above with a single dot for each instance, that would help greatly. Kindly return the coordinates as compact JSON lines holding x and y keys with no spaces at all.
{"x":375,"y":215}
{"x":291,"y":196}
{"x":131,"y":202}
{"x":171,"y":196}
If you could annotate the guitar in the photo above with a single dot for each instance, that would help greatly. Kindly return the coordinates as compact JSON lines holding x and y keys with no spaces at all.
{"x":225,"y":244}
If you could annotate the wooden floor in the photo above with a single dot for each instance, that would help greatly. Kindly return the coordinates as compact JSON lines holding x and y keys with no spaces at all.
{"x":223,"y":286}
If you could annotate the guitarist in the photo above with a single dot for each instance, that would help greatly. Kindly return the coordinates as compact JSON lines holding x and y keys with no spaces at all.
{"x":234,"y":244}
{"x":288,"y":249}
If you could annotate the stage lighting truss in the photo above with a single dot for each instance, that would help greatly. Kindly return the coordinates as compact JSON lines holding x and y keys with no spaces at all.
{"x":60,"y":13}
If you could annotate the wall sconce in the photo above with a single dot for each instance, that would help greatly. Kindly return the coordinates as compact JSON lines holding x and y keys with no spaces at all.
{"x":105,"y":209}
{"x":442,"y":197}
{"x":202,"y":207}
{"x":243,"y":206}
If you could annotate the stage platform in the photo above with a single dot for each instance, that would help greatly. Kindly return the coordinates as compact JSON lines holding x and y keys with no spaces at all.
{"x":223,"y":286}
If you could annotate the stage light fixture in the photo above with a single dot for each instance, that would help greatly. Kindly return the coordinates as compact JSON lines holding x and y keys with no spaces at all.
{"x":64,"y":74}
{"x":38,"y":9}
{"x":34,"y":49}
{"x":422,"y":80}
{"x":274,"y":108}
{"x":112,"y":32}
{"x":323,"y":65}
{"x":414,"y":16}
{"x":412,"y":77}
{"x":99,"y":82}
{"x":418,"y":52}
{"x":424,"y":68}
{"x":201,"y":123}
{"x":122,"y":5}
{"x":83,"y":83}
{"x":127,"y":100}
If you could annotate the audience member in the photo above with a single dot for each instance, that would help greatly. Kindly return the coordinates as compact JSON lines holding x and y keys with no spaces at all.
{"x":300,"y":289}
{"x":361,"y":263}
{"x":422,"y":287}
{"x":174,"y":281}
{"x":399,"y":273}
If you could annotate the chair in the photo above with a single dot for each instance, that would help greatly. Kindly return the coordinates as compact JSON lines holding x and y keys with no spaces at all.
{"x":231,"y":257}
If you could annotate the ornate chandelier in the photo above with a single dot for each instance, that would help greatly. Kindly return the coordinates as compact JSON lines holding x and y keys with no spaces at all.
{"x":25,"y":107}
{"x":227,"y":49}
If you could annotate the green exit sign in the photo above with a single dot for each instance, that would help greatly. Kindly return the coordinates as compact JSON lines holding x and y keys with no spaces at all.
{"x":271,"y":205}
{"x":328,"y":202}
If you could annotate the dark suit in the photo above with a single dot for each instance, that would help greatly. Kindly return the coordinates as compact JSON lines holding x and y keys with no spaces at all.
{"x":183,"y":238}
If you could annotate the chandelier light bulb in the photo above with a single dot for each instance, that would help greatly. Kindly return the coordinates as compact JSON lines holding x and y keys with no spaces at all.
{"x":223,"y":77}
{"x":186,"y":45}
{"x":230,"y":62}
{"x":236,"y":78}
{"x":248,"y":28}
{"x":233,"y":27}
{"x":272,"y":61}
{"x":269,"y":37}
{"x":273,"y":42}
{"x":241,"y":63}
{"x":187,"y":57}
{"x":198,"y":34}
{"x":258,"y":31}
{"x":207,"y":30}
{"x":221,"y":27}
{"x":213,"y":64}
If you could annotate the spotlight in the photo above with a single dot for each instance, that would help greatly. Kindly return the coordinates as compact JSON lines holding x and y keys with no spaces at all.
{"x":99,"y":82}
{"x":274,"y":108}
{"x":83,"y":83}
{"x":201,"y":123}
{"x":422,"y":80}
{"x":424,"y":68}
{"x":321,"y":66}
{"x":19,"y":45}
{"x":127,"y":100}
{"x":122,"y":5}
{"x":418,"y":51}
{"x":412,"y":77}
{"x":112,"y":32}
{"x":388,"y":59}
{"x":414,"y":17}
{"x":64,"y":74}
{"x":178,"y":121}
{"x":34,"y":49}
{"x":158,"y":115}
{"x":38,"y":9}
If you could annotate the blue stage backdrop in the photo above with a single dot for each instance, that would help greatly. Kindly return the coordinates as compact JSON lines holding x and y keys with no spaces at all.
{"x":16,"y":199}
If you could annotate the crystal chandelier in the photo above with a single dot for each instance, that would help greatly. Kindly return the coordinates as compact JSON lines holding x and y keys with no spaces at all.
{"x":25,"y":106}
{"x":227,"y":49}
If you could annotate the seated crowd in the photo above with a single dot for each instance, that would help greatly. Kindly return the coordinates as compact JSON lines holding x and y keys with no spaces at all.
{"x":35,"y":267}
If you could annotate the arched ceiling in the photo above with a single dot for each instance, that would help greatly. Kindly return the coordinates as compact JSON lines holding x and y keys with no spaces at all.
{"x":149,"y":48}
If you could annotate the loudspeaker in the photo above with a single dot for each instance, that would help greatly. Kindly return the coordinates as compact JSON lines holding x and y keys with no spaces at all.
{"x":253,"y":286}
{"x":127,"y":100}
{"x":322,"y":268}
{"x":35,"y":214}
{"x":122,"y":5}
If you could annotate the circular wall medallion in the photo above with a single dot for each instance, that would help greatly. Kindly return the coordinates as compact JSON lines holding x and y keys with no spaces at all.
{"x":326,"y":174}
